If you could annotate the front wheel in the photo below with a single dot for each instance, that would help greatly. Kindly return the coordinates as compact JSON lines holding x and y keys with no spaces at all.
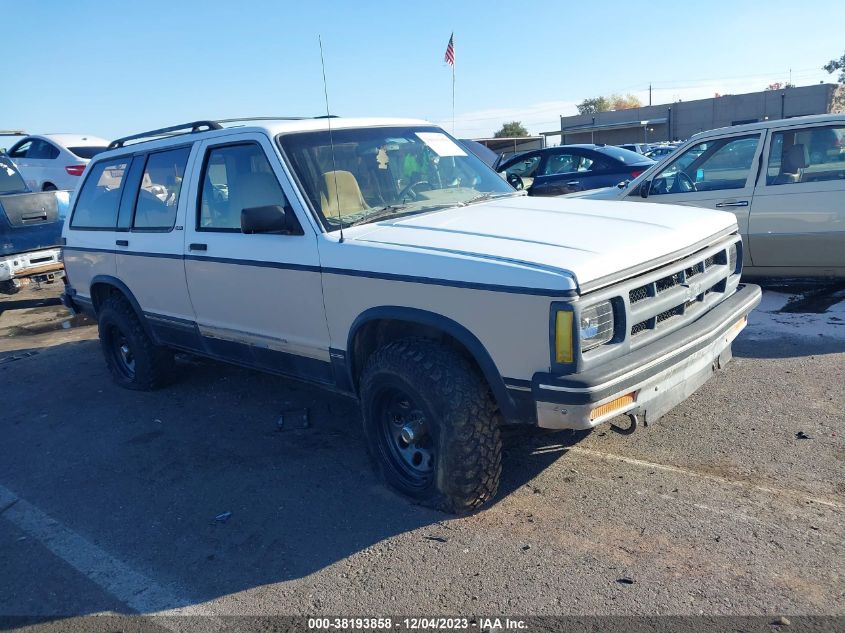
{"x":431,"y":425}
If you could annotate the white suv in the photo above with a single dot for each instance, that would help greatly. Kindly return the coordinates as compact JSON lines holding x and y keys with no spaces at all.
{"x":53,"y":162}
{"x":378,"y":258}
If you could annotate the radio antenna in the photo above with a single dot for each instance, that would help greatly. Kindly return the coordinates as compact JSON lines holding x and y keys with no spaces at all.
{"x":331,"y":140}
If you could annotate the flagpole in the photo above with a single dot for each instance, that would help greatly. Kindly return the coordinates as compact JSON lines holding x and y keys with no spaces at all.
{"x":453,"y":99}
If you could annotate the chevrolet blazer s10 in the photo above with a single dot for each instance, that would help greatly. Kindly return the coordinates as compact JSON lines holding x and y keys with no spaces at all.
{"x":380,"y":259}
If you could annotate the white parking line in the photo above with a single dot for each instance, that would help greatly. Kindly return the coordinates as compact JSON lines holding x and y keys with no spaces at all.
{"x":134,"y":589}
{"x":694,"y":473}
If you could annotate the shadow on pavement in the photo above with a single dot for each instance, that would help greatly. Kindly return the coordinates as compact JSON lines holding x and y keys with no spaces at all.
{"x":145,"y":476}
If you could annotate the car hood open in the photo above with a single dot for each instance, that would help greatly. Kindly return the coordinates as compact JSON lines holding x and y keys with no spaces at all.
{"x":589,"y":241}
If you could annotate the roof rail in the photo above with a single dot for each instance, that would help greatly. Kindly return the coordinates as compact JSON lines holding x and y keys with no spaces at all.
{"x":262,"y":118}
{"x":196,"y":126}
{"x":12,"y":133}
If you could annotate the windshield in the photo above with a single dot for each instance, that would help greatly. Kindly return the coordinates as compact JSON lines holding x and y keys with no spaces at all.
{"x":88,"y":151}
{"x":10,"y":179}
{"x":372,"y":173}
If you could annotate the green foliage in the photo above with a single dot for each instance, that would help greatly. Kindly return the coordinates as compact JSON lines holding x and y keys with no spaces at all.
{"x":511,"y":129}
{"x":606,"y":104}
{"x":836,"y":64}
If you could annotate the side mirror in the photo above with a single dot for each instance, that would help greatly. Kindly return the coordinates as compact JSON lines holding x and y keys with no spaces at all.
{"x":515,"y":181}
{"x":645,"y":185}
{"x":268,"y":219}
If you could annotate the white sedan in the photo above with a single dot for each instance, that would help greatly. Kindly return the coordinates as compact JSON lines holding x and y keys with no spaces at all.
{"x":55,"y":161}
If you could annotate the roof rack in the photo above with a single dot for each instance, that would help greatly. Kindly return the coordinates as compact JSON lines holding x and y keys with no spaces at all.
{"x":263,"y":118}
{"x":192,"y":128}
{"x":12,"y":133}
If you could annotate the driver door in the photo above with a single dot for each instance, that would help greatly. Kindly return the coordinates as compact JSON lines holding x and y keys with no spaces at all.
{"x":716,"y":173}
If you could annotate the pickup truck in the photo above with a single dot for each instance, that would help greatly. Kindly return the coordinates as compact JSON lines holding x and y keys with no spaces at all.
{"x":30,"y":231}
{"x":379,"y":259}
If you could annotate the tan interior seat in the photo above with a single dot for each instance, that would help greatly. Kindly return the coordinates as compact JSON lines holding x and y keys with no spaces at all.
{"x":342,"y":190}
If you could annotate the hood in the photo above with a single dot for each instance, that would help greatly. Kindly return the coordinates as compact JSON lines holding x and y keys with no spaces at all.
{"x":585,"y":240}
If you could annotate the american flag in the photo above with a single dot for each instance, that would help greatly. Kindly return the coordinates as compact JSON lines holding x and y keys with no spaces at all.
{"x":449,"y":58}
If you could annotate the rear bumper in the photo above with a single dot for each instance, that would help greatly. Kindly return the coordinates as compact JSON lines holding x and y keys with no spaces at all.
{"x":651,"y":380}
{"x":46,"y":262}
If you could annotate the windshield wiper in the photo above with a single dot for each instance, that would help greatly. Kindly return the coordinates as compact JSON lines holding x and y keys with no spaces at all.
{"x":490,"y":195}
{"x":378,"y":214}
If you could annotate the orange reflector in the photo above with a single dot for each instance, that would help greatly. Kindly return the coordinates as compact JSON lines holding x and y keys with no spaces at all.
{"x":620,"y":403}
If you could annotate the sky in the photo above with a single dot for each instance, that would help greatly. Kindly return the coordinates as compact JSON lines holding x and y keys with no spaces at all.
{"x":114,"y":68}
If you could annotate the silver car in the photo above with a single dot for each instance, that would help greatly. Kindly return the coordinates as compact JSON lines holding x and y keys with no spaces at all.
{"x":784,"y":180}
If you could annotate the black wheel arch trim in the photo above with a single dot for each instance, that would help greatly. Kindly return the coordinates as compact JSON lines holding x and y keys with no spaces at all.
{"x":130,"y":297}
{"x":448,"y":326}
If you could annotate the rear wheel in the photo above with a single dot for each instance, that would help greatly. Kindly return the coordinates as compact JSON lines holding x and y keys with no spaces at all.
{"x":49,"y":186}
{"x":135,"y":362}
{"x":431,"y":425}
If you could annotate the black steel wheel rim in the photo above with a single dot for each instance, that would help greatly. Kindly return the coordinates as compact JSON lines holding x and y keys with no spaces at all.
{"x":121,"y":351}
{"x":405,"y":436}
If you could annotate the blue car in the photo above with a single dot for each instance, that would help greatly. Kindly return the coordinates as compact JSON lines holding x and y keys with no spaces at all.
{"x":30,"y":231}
{"x":556,"y":171}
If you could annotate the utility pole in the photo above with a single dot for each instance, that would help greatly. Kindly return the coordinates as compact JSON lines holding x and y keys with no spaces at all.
{"x":649,"y":94}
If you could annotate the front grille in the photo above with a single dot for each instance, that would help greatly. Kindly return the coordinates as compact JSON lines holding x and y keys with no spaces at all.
{"x":638,"y":294}
{"x":695,"y":283}
{"x":668,"y":282}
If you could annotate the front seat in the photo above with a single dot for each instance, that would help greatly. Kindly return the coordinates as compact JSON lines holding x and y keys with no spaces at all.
{"x":342,"y":196}
{"x":794,"y":161}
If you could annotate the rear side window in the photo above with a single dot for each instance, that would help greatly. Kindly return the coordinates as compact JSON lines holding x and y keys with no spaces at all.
{"x":87,"y":151}
{"x":99,"y":198}
{"x":161,"y":185}
{"x":811,"y":154}
{"x":42,"y":150}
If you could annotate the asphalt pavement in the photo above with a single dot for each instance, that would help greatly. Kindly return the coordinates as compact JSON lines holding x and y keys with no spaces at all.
{"x":192,"y":500}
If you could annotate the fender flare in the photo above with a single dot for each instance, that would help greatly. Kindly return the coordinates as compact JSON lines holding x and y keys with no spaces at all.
{"x":124,"y":289}
{"x":446,"y":325}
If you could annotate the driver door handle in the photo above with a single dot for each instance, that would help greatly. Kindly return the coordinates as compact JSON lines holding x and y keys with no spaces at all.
{"x":573,"y":183}
{"x":732,"y":203}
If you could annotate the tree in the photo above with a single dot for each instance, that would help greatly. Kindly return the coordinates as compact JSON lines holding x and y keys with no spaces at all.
{"x":626,"y":102}
{"x":591,"y":106}
{"x":511,"y":129}
{"x":778,"y":85}
{"x":837,"y":64}
{"x":606,"y":104}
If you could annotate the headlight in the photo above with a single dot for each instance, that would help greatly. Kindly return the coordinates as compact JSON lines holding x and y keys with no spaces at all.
{"x":596,"y":325}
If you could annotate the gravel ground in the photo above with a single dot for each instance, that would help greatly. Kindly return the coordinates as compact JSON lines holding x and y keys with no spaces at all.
{"x":730,"y":505}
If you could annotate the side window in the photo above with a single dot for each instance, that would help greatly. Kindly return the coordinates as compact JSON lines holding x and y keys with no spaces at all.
{"x":525,"y":167}
{"x":20,"y":150}
{"x":806,"y":155}
{"x":99,"y":198}
{"x":160,"y":188}
{"x":712,"y":165}
{"x":566,"y":163}
{"x":43,"y":150}
{"x":236,"y":177}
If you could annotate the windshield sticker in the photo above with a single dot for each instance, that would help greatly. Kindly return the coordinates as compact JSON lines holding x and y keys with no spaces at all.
{"x":441,"y":144}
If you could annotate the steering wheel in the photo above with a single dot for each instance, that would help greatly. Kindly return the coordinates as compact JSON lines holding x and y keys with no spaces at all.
{"x":409,"y":190}
{"x":683,"y":182}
